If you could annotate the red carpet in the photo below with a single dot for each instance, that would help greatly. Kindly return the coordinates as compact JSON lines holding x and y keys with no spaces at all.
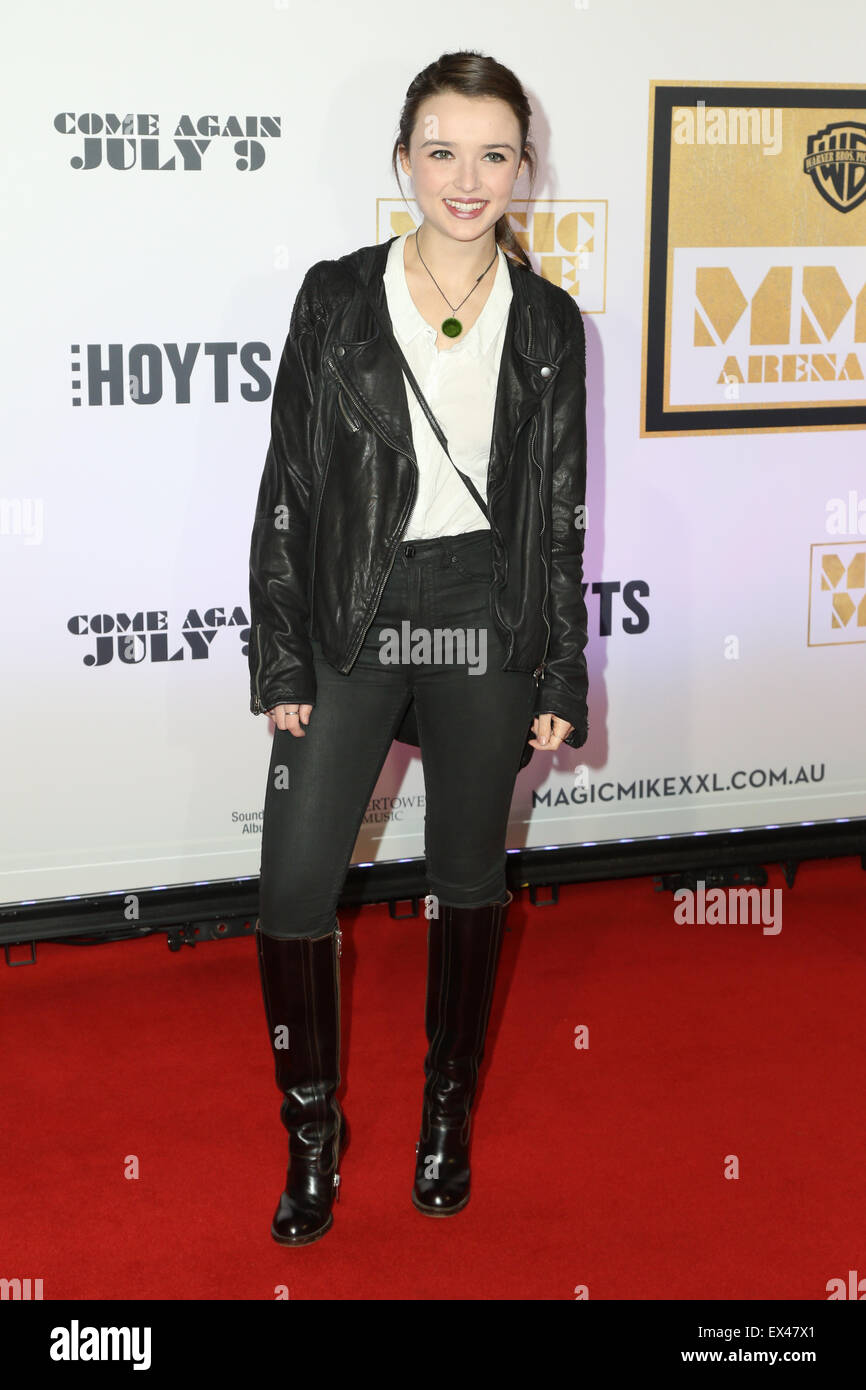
{"x":601,"y":1167}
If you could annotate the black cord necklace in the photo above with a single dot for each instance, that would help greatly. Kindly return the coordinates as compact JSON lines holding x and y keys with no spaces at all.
{"x":451,"y":327}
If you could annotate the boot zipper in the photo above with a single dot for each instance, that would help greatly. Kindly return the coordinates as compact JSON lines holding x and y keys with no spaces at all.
{"x":339,"y":940}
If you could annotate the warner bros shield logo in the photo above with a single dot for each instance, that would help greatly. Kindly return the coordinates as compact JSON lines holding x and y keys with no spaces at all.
{"x":836,"y":160}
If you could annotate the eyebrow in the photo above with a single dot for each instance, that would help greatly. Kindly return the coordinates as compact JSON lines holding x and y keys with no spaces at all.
{"x":451,"y":142}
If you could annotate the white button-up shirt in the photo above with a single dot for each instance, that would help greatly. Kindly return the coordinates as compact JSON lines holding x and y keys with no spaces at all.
{"x":460,"y":386}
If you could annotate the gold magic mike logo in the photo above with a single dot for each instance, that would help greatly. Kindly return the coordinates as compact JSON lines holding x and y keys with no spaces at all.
{"x":755,"y":274}
{"x":837,"y":594}
{"x":565,"y":238}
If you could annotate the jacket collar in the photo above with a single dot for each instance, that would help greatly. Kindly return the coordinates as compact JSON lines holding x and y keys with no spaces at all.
{"x":366,"y":361}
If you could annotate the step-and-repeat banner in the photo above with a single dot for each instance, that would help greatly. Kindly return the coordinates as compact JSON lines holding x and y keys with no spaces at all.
{"x":169,"y":182}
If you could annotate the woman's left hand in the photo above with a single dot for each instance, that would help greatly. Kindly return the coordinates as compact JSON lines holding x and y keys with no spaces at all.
{"x":549,"y":731}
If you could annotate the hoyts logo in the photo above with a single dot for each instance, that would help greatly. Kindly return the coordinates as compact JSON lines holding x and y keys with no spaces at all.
{"x":148,"y":373}
{"x":137,"y":141}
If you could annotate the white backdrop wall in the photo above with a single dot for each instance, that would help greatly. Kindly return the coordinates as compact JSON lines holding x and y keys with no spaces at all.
{"x":146,"y":307}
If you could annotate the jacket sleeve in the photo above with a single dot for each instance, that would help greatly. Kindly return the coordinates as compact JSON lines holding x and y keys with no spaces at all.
{"x":280,"y":655}
{"x":562,"y":689}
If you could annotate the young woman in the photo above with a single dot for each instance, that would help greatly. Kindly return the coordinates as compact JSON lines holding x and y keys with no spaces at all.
{"x":365,"y":532}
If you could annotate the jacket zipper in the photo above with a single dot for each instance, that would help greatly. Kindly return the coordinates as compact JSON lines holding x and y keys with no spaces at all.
{"x":258,"y":668}
{"x":496,"y":609}
{"x":353,"y":424}
{"x":361,"y":411}
{"x":377,"y":430}
{"x":312,"y":552}
{"x":539,"y":670}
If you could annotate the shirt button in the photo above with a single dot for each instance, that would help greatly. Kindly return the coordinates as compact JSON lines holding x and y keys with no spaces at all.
{"x":340,"y":351}
{"x":545,"y":371}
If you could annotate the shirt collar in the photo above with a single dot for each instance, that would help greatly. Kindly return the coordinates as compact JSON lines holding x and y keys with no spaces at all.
{"x":408,"y":322}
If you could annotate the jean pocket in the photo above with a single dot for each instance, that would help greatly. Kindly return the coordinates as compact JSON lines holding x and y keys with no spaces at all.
{"x":472,"y":566}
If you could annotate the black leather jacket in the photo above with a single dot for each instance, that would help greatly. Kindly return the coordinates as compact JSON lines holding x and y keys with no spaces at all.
{"x":340,"y":477}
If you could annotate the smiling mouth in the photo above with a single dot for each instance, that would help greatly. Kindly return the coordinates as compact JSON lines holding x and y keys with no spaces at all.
{"x":466,"y":204}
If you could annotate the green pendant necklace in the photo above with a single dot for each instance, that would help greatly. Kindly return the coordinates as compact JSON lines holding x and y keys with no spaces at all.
{"x":451,"y":327}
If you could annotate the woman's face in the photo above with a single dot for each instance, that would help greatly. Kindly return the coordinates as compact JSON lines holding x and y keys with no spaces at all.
{"x":465,"y":149}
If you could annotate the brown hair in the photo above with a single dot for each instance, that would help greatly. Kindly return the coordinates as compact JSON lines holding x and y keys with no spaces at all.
{"x":472,"y":75}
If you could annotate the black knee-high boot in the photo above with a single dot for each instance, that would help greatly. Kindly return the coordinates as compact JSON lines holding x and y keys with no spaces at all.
{"x":301,"y":991}
{"x":463,"y":949}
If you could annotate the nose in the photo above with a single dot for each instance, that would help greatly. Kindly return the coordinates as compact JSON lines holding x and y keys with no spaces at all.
{"x":466,"y":179}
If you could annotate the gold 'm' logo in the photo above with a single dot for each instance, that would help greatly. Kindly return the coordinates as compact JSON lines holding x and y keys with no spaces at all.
{"x":823,"y":302}
{"x":841,"y":579}
{"x":837,"y":603}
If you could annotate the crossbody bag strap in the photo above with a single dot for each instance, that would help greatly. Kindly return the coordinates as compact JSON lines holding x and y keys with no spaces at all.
{"x":434,"y":423}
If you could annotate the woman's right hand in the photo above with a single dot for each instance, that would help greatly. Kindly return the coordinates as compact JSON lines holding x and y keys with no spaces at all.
{"x":291,"y":718}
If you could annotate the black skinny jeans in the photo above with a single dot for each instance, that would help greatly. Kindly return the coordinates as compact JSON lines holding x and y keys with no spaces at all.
{"x":472,"y":729}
